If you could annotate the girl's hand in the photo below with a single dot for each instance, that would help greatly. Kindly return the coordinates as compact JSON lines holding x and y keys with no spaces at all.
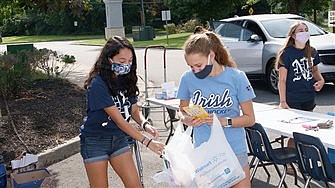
{"x":151,"y":130}
{"x":190,"y":121}
{"x":318,"y":85}
{"x":208,"y":119}
{"x":283,"y":105}
{"x":156,"y":147}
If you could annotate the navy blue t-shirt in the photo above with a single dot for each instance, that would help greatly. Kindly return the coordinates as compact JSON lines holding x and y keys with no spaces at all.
{"x":97,"y":121}
{"x":300,"y":80}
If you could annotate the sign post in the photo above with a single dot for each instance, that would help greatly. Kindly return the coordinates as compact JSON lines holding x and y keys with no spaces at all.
{"x":331,"y":19}
{"x":166,"y":16}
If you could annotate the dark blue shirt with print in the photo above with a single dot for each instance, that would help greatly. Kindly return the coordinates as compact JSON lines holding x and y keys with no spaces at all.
{"x":300,"y":80}
{"x":97,"y":122}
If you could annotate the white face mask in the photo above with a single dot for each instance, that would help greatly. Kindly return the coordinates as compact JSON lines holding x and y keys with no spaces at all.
{"x":302,"y":37}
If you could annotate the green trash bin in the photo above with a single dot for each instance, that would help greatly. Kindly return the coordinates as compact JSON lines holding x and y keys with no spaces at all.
{"x":14,"y":48}
{"x":142,"y":33}
{"x":135,"y":30}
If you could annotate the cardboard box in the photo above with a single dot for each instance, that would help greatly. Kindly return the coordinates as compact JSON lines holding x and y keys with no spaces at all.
{"x":29,"y":179}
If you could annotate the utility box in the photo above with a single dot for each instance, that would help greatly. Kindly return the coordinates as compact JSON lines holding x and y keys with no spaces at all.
{"x":142,"y":33}
{"x":14,"y":48}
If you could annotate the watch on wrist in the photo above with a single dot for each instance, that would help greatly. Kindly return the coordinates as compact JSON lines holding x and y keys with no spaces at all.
{"x":229,"y":122}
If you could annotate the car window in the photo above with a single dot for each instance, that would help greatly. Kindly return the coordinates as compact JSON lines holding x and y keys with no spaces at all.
{"x":230,"y":31}
{"x":251,"y":28}
{"x":279,"y":28}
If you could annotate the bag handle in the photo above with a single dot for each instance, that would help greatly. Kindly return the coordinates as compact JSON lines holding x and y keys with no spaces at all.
{"x":217,"y":130}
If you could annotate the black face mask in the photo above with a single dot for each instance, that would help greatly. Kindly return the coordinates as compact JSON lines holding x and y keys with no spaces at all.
{"x":204,"y":72}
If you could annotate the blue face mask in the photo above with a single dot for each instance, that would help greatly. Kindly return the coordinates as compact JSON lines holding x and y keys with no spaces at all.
{"x":120,"y":69}
{"x":205,"y":71}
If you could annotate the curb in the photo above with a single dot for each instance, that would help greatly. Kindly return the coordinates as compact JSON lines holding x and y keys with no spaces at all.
{"x":59,"y":153}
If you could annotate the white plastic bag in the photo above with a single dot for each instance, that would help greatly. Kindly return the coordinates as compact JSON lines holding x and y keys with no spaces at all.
{"x":212,"y":164}
{"x":178,"y":170}
{"x":216,"y":165}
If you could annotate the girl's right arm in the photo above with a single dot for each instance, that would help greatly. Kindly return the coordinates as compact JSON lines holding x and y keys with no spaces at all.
{"x":282,"y":87}
{"x":153,"y":145}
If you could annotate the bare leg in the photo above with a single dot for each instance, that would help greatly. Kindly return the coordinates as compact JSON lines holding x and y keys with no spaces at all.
{"x":245,"y":183}
{"x":125,"y":168}
{"x":290,"y":143}
{"x":97,"y":174}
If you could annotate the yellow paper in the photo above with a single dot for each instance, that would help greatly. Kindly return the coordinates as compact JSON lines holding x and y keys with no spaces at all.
{"x":196,"y":111}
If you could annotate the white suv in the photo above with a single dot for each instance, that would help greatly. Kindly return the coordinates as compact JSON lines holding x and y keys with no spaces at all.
{"x":254,"y":41}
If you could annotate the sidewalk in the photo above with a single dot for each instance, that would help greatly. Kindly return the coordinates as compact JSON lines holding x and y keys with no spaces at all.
{"x":70,"y":173}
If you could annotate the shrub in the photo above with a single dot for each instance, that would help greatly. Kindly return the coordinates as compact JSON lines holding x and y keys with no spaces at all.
{"x":171,"y":28}
{"x":190,"y":25}
{"x":52,"y":64}
{"x":15,"y":73}
{"x":17,"y":70}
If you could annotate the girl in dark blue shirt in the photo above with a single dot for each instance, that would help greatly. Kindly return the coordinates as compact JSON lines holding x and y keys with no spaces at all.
{"x":106,"y":135}
{"x":299,"y":76}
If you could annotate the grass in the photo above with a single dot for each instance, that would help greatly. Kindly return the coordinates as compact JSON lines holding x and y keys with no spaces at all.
{"x":174,"y":40}
{"x":47,"y":38}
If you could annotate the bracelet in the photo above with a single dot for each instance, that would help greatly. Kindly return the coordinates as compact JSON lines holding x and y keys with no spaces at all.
{"x":143,"y":125}
{"x":143,"y":139}
{"x":282,"y":101}
{"x":148,"y":143}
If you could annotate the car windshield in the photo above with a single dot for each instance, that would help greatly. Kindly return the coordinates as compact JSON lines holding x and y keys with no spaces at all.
{"x":279,"y":28}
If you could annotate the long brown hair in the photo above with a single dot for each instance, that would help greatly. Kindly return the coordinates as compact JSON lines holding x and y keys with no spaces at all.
{"x":308,"y":50}
{"x":204,"y":42}
{"x":112,"y":48}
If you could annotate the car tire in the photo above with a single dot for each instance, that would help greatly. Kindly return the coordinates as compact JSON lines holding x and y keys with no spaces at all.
{"x":272,"y":77}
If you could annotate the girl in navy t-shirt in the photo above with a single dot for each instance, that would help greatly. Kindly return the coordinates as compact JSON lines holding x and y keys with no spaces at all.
{"x":299,"y":76}
{"x":106,"y":135}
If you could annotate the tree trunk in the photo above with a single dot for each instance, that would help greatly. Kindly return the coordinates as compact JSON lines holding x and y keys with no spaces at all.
{"x":294,"y":6}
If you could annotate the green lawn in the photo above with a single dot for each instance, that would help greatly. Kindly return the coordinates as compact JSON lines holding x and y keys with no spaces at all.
{"x":174,"y":40}
{"x":46,"y":38}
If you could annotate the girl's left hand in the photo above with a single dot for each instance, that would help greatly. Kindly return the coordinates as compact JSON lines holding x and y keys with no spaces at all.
{"x":208,"y":119}
{"x":151,"y":130}
{"x":318,"y":85}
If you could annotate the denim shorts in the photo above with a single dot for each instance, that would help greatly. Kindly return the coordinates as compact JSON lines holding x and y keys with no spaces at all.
{"x":100,"y":148}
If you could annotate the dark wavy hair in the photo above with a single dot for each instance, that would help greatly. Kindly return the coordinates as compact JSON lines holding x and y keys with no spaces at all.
{"x":112,"y":48}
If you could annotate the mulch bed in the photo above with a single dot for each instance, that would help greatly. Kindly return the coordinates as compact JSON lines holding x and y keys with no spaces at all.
{"x":46,"y":115}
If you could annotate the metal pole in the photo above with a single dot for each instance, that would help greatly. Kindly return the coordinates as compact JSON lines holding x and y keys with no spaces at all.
{"x":333,"y":10}
{"x":143,"y":14}
{"x":167,"y":32}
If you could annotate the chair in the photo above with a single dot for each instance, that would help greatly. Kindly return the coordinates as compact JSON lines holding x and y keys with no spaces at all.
{"x":313,"y":159}
{"x":172,"y":119}
{"x":261,"y":147}
{"x":254,"y":160}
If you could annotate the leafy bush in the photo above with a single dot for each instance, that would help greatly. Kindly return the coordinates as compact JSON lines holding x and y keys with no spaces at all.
{"x":17,"y":70}
{"x":190,"y":25}
{"x":171,"y":28}
{"x":15,"y":73}
{"x":52,"y":64}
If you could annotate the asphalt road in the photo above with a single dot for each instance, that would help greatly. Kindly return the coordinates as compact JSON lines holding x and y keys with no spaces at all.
{"x":71,"y":173}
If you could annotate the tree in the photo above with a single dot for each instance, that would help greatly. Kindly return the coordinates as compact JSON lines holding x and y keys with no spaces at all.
{"x":299,"y":6}
{"x":203,"y":10}
{"x":76,"y":7}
